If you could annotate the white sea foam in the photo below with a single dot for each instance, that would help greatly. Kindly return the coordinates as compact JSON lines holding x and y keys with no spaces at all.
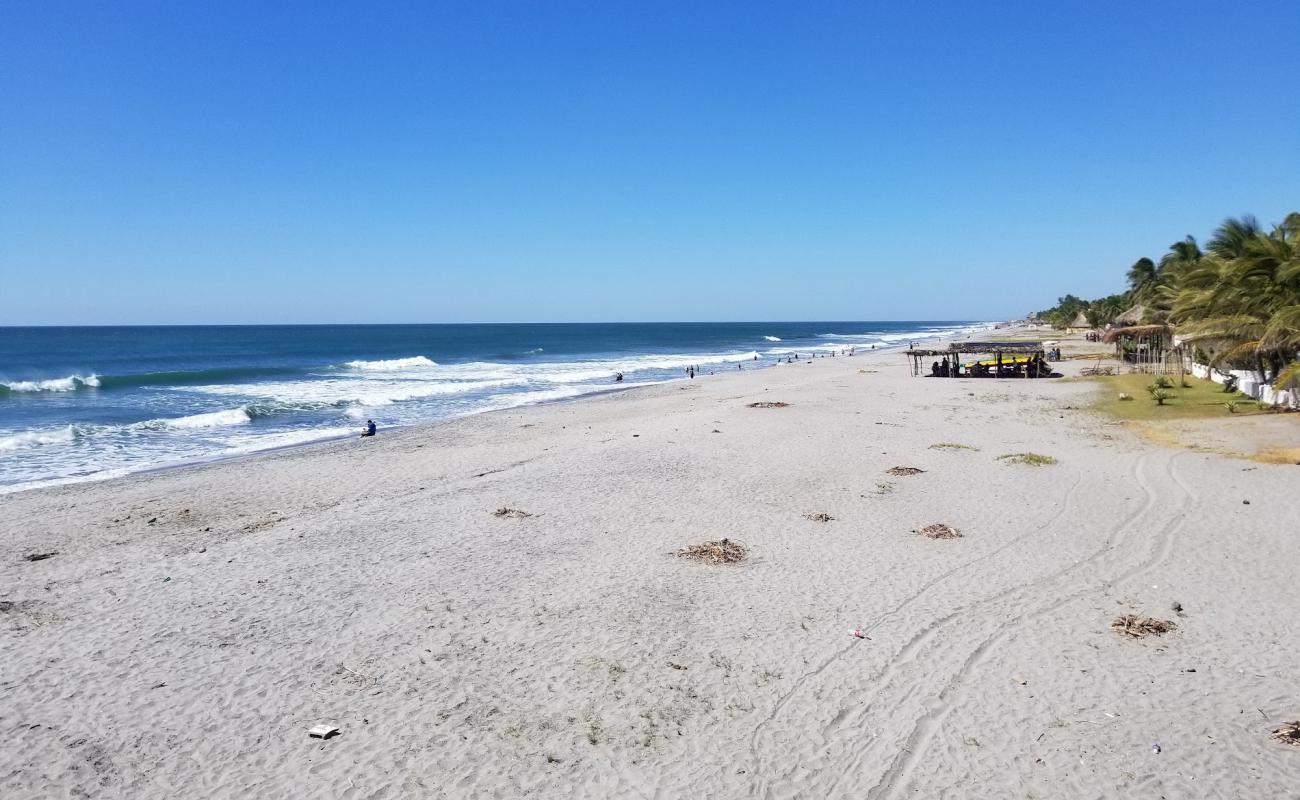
{"x":254,"y":443}
{"x":772,"y":338}
{"x":212,"y":419}
{"x":64,"y":435}
{"x":68,"y":384}
{"x":342,"y":392}
{"x":392,"y":364}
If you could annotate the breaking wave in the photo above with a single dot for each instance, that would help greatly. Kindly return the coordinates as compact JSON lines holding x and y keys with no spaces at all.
{"x":211,"y":419}
{"x":391,"y":364}
{"x":69,"y":384}
{"x":64,"y":435}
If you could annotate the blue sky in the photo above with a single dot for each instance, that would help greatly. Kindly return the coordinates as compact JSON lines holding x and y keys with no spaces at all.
{"x":435,"y":162}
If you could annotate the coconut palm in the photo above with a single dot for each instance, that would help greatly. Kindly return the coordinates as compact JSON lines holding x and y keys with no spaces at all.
{"x":1142,"y":279}
{"x":1243,"y":300}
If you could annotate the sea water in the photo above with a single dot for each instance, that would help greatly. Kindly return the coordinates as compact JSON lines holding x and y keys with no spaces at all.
{"x":87,"y":403}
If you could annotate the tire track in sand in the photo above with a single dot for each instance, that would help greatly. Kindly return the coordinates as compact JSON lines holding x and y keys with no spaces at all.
{"x":906,"y":655}
{"x":924,"y":589}
{"x":919,"y":739}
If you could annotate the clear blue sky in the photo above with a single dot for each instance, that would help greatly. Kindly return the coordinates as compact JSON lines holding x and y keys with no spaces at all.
{"x":176,"y":162}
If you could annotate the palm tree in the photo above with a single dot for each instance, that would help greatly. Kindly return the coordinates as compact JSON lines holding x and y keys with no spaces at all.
{"x":1182,"y":258}
{"x":1142,"y":279}
{"x":1243,"y":300}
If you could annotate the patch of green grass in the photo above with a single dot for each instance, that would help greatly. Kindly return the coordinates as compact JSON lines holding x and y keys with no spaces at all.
{"x":951,"y":446}
{"x":1033,"y":459}
{"x":1200,"y":398}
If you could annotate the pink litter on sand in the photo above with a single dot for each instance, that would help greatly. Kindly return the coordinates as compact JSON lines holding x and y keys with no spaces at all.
{"x":857,"y":633}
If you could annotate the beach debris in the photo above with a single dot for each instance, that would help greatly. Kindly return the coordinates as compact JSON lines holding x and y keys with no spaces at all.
{"x":1245,"y":502}
{"x":767,"y":404}
{"x":6,"y":606}
{"x":904,"y":470}
{"x":323,"y":731}
{"x":857,"y":633}
{"x":1177,"y":607}
{"x":1139,"y":626}
{"x":939,"y":531}
{"x":723,"y":551}
{"x":1289,"y":733}
{"x":1124,"y":396}
{"x":40,"y":556}
{"x":676,"y":666}
{"x":952,"y":446}
{"x":820,"y":516}
{"x":1155,"y":748}
{"x":510,"y":513}
{"x":1033,"y":459}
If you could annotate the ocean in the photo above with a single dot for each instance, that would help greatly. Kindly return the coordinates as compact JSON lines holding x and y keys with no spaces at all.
{"x":88,"y":403}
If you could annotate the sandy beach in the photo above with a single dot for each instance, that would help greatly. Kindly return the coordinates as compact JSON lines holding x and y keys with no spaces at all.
{"x":193,"y":624}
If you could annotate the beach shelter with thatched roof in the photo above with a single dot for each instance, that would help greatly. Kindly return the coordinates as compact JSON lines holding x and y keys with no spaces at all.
{"x":1131,"y":317}
{"x":1080,"y":323}
{"x":1149,"y":348}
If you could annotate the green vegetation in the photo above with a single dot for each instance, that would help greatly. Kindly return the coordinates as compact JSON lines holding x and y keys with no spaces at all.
{"x":1200,"y":398}
{"x":951,"y":446}
{"x":1237,"y":300}
{"x":1033,"y":459}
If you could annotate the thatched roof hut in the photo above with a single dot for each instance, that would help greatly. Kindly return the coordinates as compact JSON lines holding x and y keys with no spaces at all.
{"x":1136,"y":332}
{"x":1080,"y":321}
{"x":1131,"y":317}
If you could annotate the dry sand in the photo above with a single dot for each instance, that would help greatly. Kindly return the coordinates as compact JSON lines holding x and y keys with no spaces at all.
{"x":195,"y":623}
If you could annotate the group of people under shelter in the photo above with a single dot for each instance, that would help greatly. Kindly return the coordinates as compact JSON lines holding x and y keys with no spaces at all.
{"x":1034,"y":366}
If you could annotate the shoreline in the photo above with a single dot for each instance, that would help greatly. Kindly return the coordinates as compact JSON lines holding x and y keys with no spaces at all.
{"x":116,"y":475}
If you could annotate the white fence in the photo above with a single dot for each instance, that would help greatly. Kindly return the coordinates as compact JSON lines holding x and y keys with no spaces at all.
{"x":1249,"y":384}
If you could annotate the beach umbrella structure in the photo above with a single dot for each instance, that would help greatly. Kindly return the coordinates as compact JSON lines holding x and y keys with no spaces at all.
{"x":987,"y":360}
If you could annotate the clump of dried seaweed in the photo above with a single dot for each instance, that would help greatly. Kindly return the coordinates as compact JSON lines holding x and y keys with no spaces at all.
{"x":1138,"y":626}
{"x":1289,"y":733}
{"x":777,"y":404}
{"x":904,"y":470}
{"x":820,"y":516}
{"x":939,"y":531}
{"x":510,"y":513}
{"x":723,"y":551}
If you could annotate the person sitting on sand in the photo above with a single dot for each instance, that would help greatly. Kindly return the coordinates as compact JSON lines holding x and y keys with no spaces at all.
{"x":370,"y":428}
{"x":934,"y":370}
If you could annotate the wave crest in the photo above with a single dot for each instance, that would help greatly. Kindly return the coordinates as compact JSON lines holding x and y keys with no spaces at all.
{"x":388,"y":365}
{"x":772,"y":338}
{"x":211,"y":419}
{"x":69,"y":384}
{"x":15,"y":441}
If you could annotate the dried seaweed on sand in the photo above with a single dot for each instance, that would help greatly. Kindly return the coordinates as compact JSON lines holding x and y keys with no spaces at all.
{"x":904,"y":471}
{"x":1138,"y":626}
{"x":820,"y":516}
{"x":511,"y":513}
{"x":723,"y":551}
{"x":777,"y":404}
{"x":939,"y":531}
{"x":1289,"y":733}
